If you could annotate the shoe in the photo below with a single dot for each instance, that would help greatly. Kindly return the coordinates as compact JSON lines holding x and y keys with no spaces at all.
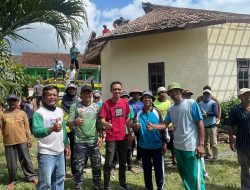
{"x":124,"y":187}
{"x":132,"y":170}
{"x":207,"y":157}
{"x":35,"y":181}
{"x":11,"y":186}
{"x":112,"y":173}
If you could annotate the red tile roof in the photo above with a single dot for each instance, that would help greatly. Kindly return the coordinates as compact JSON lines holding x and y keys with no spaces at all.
{"x":30,"y":59}
{"x":160,"y":19}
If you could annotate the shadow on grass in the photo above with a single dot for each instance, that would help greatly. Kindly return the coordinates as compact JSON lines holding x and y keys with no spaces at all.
{"x":212,"y":186}
{"x":88,"y":185}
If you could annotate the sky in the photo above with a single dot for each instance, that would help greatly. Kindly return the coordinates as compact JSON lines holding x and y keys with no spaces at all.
{"x":105,"y":12}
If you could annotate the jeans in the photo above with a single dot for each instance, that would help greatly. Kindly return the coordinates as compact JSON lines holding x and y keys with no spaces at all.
{"x":51,"y":171}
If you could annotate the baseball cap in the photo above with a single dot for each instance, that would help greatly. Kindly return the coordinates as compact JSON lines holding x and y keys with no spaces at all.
{"x":13,"y":96}
{"x":187,"y":92}
{"x":244,"y":90}
{"x":86,"y":87}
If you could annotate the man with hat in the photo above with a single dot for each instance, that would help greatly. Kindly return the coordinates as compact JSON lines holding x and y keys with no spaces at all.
{"x":162,"y":103}
{"x":209,"y":109}
{"x":17,"y":140}
{"x":114,"y":116}
{"x":98,"y":99}
{"x":137,"y":105}
{"x":186,"y":94}
{"x":239,"y":121}
{"x":68,"y":99}
{"x":83,"y":117}
{"x":152,"y":143}
{"x":186,"y":118}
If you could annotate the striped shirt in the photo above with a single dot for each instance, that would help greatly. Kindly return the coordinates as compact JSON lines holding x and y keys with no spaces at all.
{"x":240,"y":117}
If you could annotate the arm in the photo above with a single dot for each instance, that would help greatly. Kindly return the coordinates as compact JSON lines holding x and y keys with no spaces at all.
{"x":232,"y":126}
{"x":105,"y":124}
{"x":214,"y":111}
{"x":39,"y":131}
{"x":200,"y":148}
{"x":65,"y":137}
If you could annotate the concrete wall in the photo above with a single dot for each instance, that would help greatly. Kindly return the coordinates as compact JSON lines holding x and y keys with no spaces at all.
{"x":184,"y":54}
{"x":194,"y":58}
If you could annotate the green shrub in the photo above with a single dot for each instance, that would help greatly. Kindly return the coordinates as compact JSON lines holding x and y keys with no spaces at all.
{"x":225,"y":108}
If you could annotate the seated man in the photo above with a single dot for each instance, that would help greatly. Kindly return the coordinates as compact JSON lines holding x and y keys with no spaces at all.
{"x":58,"y":67}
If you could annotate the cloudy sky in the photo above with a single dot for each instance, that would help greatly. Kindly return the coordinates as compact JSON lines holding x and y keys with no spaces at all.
{"x":104,"y":12}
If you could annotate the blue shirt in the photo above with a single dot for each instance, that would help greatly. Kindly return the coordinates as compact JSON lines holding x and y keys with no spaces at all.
{"x":149,"y":139}
{"x":137,"y":106}
{"x":211,"y":110}
{"x":184,"y":116}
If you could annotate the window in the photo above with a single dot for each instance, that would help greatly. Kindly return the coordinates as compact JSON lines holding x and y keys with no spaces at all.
{"x":156,"y":74}
{"x":243,"y":73}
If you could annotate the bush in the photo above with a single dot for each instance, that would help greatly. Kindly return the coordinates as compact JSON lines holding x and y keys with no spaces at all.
{"x":225,"y":108}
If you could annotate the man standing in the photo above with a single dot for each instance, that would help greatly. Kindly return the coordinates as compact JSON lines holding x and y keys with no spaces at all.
{"x":88,"y":137}
{"x":73,"y":55}
{"x":14,"y":125}
{"x":152,"y":143}
{"x":29,"y":110}
{"x":209,"y":109}
{"x":162,"y":103}
{"x":59,"y":66}
{"x":239,"y":120}
{"x":186,"y":119}
{"x":50,"y":129}
{"x":114,"y":118}
{"x":38,"y":88}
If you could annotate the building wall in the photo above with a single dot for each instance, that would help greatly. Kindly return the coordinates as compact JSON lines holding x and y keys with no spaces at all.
{"x":226,"y":43}
{"x":194,"y":58}
{"x":184,"y":54}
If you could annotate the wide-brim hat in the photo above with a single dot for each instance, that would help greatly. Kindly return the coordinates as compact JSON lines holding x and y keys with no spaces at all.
{"x":70,"y":85}
{"x":125,"y":93}
{"x":161,"y":89}
{"x":148,"y":93}
{"x":135,"y":90}
{"x":13,"y":97}
{"x":187,"y":92}
{"x":174,"y":85}
{"x":243,"y":91}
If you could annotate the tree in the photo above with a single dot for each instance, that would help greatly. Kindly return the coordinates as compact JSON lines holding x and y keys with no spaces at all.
{"x":66,"y":16}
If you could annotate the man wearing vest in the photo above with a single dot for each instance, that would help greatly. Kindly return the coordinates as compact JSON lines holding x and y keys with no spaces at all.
{"x":209,"y":109}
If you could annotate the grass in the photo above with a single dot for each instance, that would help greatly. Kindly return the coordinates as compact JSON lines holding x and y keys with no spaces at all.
{"x":224,"y":175}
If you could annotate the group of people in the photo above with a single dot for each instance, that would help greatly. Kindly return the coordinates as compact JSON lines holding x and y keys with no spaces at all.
{"x":76,"y":127}
{"x":74,"y":66}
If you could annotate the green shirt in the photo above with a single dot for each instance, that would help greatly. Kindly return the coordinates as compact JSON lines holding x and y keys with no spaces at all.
{"x":162,"y":106}
{"x":87,"y":132}
{"x":73,"y":53}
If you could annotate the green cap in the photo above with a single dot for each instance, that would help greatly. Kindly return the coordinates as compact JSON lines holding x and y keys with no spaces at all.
{"x":174,"y":85}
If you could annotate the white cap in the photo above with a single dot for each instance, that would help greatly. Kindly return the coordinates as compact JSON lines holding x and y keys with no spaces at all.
{"x":244,"y":90}
{"x":208,"y":91}
{"x":161,"y":89}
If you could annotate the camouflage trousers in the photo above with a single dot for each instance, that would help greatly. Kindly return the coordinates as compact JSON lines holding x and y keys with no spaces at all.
{"x":83,"y":150}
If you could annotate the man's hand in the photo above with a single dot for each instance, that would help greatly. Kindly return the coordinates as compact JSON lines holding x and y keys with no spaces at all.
{"x":57,"y":127}
{"x":136,"y":126}
{"x":67,"y":151}
{"x":164,"y":149}
{"x":100,"y":142}
{"x":108,"y":125}
{"x":150,"y":126}
{"x":30,"y":143}
{"x":79,"y":121}
{"x":199,"y":151}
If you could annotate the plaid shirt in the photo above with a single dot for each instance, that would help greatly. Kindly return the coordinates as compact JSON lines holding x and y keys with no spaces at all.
{"x":15,"y":127}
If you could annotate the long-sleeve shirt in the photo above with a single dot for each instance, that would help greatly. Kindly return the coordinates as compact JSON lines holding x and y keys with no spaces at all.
{"x":15,"y":127}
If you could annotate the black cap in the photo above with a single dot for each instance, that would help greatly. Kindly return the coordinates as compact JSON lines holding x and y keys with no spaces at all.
{"x":12,"y":96}
{"x":86,"y":87}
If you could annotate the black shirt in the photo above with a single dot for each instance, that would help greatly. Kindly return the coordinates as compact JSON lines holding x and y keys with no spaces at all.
{"x":240,"y":117}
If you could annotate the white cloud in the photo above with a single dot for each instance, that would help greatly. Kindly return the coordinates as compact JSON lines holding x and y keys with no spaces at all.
{"x":44,"y":36}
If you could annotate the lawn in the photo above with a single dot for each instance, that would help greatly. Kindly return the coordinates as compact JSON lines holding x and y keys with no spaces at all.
{"x":224,"y":175}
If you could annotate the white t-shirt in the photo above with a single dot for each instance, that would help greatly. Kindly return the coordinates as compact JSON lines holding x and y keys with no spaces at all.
{"x":71,"y":74}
